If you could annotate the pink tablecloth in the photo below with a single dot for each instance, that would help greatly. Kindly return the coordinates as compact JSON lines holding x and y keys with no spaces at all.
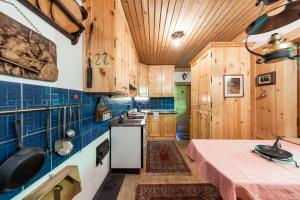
{"x":237,"y":172}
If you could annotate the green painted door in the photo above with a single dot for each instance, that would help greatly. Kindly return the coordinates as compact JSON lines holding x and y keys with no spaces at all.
{"x":182,"y":107}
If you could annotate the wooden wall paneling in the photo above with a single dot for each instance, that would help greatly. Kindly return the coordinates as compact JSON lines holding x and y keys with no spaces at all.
{"x":233,"y":105}
{"x":218,"y":100}
{"x":264,"y":127}
{"x":275,"y":113}
{"x":286,"y":99}
{"x":252,"y":96}
{"x":246,"y":102}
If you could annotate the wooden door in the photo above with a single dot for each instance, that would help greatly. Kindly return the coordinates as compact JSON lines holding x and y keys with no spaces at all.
{"x":204,"y":82}
{"x":204,"y":122}
{"x":153,"y":126}
{"x":155,"y":89}
{"x":194,"y":84}
{"x":168,"y":126}
{"x":194,"y":124}
{"x":167,"y":81}
{"x":143,"y":80}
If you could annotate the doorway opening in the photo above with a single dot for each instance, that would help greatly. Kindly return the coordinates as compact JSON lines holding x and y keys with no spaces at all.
{"x":183,"y":109}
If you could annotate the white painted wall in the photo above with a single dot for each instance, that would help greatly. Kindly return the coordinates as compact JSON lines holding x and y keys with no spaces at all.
{"x":178,"y":77}
{"x":69,"y":57}
{"x":91,"y":176}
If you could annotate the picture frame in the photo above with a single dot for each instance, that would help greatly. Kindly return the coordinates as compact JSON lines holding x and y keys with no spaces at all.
{"x":266,"y":79}
{"x":234,"y":86}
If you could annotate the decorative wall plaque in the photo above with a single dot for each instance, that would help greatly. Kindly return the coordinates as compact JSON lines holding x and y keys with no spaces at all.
{"x":25,"y":53}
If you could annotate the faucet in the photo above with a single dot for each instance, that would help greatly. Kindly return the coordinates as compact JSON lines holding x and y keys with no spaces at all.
{"x":124,"y":117}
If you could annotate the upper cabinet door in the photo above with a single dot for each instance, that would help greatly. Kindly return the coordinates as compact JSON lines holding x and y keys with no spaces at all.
{"x":119,"y":46}
{"x":143,"y":80}
{"x":155,"y":79}
{"x":167,"y":79}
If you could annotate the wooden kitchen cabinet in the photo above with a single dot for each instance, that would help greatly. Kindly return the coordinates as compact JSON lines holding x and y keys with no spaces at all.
{"x":143,"y":86}
{"x":153,"y":126}
{"x":112,"y":51}
{"x":161,"y":81}
{"x":163,"y":127}
{"x":167,"y":81}
{"x":168,"y":126}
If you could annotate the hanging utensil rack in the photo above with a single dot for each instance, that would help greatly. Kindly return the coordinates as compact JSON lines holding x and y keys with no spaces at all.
{"x":7,"y":112}
{"x":74,"y":37}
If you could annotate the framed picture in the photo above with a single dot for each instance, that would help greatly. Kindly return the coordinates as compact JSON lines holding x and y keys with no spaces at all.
{"x":266,"y":79}
{"x":233,"y":86}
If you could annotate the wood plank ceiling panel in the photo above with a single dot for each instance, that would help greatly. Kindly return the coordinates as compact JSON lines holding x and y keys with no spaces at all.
{"x":152,"y":23}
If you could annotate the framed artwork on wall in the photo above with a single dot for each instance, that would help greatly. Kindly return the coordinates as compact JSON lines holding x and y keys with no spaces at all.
{"x":233,"y":86}
{"x":266,"y":79}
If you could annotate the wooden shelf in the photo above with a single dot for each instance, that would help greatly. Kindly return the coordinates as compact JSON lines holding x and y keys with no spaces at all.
{"x":74,"y":37}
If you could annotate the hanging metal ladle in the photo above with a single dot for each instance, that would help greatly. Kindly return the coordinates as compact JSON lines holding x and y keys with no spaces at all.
{"x":70,"y":132}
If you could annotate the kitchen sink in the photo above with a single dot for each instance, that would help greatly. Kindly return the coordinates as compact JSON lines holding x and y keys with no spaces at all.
{"x":136,"y":117}
{"x":137,"y":121}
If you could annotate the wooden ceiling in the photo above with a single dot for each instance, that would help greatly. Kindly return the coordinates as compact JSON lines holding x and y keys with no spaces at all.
{"x":152,"y":22}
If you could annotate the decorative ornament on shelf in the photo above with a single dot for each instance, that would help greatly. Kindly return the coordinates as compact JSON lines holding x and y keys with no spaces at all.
{"x":278,"y":48}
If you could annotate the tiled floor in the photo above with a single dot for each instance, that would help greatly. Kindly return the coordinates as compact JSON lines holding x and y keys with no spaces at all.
{"x":130,"y":182}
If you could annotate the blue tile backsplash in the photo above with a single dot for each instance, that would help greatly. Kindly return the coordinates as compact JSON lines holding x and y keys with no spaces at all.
{"x":155,"y":103}
{"x":17,"y":96}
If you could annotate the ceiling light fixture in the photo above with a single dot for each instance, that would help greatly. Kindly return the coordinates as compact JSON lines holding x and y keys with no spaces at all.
{"x":177,"y":37}
{"x":278,"y":48}
{"x":266,"y":2}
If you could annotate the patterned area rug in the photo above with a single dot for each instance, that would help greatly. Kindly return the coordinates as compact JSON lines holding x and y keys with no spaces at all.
{"x":177,"y":192}
{"x":164,"y":157}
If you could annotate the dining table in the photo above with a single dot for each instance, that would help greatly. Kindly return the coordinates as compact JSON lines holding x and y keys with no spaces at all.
{"x":240,"y":173}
